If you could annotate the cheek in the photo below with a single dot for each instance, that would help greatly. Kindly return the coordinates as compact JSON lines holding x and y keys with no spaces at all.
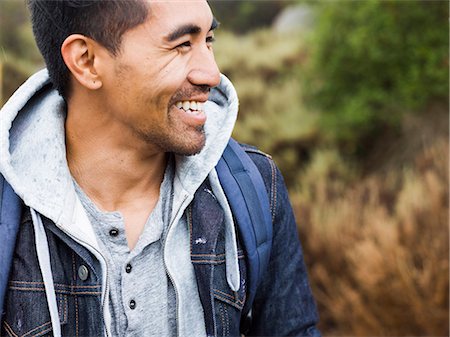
{"x":174,"y":73}
{"x":154,"y":86}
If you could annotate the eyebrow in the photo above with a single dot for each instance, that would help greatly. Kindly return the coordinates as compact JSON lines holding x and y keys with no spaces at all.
{"x":189,"y":29}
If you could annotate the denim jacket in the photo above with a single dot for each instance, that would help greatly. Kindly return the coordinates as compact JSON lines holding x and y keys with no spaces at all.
{"x":283,"y":305}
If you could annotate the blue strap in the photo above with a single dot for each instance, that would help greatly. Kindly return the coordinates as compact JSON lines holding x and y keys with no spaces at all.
{"x":10,"y":212}
{"x":249,"y":202}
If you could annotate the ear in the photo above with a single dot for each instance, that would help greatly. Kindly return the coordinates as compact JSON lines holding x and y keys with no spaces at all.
{"x":79,"y":53}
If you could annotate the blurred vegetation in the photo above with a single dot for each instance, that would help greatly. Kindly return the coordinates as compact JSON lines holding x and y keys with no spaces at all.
{"x":272,"y":113}
{"x":347,"y":85}
{"x":243,"y":16}
{"x":373,"y":61}
{"x":377,"y":251}
{"x":19,"y":56}
{"x":355,"y":113}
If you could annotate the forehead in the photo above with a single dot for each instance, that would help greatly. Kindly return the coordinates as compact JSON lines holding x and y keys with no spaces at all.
{"x":169,"y":14}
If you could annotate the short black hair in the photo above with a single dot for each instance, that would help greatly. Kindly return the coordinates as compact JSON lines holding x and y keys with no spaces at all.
{"x":104,"y":21}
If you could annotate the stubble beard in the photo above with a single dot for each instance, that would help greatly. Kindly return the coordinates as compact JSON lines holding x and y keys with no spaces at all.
{"x":175,"y":141}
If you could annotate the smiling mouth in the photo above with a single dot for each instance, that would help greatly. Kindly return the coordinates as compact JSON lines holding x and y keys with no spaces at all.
{"x":193,"y":107}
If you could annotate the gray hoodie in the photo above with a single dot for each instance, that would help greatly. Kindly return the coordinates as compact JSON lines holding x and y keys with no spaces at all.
{"x":33,"y":161}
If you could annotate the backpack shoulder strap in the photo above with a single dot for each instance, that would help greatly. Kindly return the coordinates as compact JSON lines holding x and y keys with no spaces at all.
{"x":247,"y":195}
{"x":10,"y":212}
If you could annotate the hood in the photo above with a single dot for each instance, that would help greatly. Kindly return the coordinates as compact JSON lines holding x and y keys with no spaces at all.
{"x":33,"y":154}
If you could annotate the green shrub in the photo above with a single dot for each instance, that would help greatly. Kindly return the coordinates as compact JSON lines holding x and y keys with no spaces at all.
{"x":371,"y":61}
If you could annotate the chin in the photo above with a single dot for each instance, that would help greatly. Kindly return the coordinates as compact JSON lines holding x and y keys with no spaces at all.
{"x":190,"y":149}
{"x":184,"y":144}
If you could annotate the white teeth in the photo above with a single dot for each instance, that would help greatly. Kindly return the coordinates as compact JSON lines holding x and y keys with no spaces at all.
{"x":190,"y":105}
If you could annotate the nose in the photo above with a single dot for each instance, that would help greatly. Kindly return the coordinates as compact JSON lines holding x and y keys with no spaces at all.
{"x":204,"y":69}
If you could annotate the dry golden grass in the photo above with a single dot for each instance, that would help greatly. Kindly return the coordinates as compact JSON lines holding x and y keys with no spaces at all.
{"x":378,"y":251}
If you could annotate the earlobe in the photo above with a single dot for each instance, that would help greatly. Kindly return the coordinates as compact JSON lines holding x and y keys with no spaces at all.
{"x":78,"y":53}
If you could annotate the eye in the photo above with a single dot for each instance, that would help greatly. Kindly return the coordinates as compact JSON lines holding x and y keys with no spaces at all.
{"x":186,"y":44}
{"x":210,"y":39}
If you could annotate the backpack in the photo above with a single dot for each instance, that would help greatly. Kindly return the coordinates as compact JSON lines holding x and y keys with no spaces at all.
{"x":246,"y":194}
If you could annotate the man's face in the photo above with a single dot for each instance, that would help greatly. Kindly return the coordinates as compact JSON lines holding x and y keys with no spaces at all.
{"x":158,"y":82}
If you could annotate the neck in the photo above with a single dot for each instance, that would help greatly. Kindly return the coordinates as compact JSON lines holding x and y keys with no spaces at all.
{"x":113,"y":167}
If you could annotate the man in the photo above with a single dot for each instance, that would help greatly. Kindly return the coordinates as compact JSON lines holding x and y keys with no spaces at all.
{"x":125,"y":227}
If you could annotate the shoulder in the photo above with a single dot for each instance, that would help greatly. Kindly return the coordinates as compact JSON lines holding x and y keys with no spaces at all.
{"x":254,"y":151}
{"x":263,"y":162}
{"x":269,"y":171}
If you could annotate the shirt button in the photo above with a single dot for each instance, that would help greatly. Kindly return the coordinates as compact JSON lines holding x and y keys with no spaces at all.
{"x":114,"y":232}
{"x":132,"y":304}
{"x":128,"y":268}
{"x":83,"y":273}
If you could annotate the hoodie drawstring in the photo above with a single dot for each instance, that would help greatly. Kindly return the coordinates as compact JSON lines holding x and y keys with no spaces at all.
{"x":46,"y":271}
{"x":231,"y":256}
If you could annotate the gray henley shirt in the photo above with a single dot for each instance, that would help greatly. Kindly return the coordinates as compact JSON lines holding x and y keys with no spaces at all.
{"x":142,"y":297}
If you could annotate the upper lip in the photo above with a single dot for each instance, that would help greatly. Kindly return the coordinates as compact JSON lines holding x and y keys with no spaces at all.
{"x":201,"y":99}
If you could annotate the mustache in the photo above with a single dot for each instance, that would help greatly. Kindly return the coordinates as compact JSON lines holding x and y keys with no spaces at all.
{"x":189,"y":92}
